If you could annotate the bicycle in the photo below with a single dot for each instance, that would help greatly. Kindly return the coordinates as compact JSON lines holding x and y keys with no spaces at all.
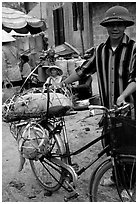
{"x":55,"y":169}
{"x":122,"y":153}
{"x":50,"y":158}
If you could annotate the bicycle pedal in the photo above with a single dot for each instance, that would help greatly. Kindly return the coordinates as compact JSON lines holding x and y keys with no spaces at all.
{"x":68,"y":185}
{"x":72,"y":195}
{"x":75,"y":167}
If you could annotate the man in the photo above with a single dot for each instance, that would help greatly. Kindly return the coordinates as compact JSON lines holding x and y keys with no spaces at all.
{"x":113,"y":60}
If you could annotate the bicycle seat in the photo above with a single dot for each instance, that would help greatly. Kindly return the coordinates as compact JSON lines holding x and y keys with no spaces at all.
{"x":58,"y":111}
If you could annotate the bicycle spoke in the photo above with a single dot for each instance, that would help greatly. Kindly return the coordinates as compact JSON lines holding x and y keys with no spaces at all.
{"x":101,"y":191}
{"x":52,"y":166}
{"x":48,"y":173}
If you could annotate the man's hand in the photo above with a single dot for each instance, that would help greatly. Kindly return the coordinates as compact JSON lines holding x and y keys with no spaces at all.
{"x":120,"y":100}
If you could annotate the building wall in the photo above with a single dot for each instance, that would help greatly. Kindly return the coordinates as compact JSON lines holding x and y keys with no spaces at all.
{"x":74,"y":37}
{"x":93,"y":33}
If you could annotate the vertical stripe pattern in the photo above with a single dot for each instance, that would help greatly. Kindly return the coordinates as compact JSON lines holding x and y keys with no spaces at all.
{"x":113,"y":68}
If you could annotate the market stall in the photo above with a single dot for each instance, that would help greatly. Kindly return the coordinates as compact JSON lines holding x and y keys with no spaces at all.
{"x":20,"y":22}
{"x":27,"y":30}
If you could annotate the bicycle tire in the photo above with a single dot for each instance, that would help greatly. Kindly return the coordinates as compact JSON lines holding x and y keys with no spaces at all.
{"x":100,"y":193}
{"x":49,"y":175}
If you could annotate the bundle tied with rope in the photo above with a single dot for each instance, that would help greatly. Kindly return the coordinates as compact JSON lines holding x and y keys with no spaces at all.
{"x":33,"y":104}
{"x":33,"y":140}
{"x":23,"y":111}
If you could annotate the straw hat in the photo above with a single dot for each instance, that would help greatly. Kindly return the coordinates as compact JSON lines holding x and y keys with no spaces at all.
{"x":6,"y":37}
{"x":60,"y":72}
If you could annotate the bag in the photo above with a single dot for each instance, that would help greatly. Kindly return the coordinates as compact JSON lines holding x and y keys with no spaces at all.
{"x":14,"y":73}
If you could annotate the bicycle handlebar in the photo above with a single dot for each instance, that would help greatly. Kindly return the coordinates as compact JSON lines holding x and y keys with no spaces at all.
{"x":109,"y":111}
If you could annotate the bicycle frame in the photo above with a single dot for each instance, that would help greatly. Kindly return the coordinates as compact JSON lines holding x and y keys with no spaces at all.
{"x":57,"y":128}
{"x":68,"y":155}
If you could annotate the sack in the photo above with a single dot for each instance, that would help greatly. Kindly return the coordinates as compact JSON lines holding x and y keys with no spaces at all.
{"x":14,"y":73}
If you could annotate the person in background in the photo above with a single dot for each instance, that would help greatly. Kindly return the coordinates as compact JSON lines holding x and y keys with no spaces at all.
{"x":84,"y":89}
{"x":10,"y":58}
{"x":45,"y":41}
{"x":55,"y":76}
{"x":25,"y":69}
{"x":113,"y":61}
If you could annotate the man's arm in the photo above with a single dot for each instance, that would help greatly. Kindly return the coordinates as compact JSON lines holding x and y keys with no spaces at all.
{"x":88,"y":67}
{"x":72,"y":78}
{"x":131,"y":88}
{"x":128,"y":91}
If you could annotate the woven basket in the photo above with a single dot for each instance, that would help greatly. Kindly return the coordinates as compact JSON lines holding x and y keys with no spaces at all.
{"x":123,"y":137}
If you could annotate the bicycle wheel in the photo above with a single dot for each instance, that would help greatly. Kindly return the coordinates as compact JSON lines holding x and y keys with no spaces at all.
{"x":100,"y":193}
{"x":49,"y":175}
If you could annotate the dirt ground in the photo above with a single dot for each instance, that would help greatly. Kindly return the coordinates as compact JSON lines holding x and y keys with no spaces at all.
{"x":23,"y":187}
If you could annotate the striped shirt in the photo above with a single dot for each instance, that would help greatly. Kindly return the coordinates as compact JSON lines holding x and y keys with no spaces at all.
{"x":113,"y":68}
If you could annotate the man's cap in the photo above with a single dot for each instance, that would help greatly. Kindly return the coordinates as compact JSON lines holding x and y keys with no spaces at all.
{"x":117,"y":14}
